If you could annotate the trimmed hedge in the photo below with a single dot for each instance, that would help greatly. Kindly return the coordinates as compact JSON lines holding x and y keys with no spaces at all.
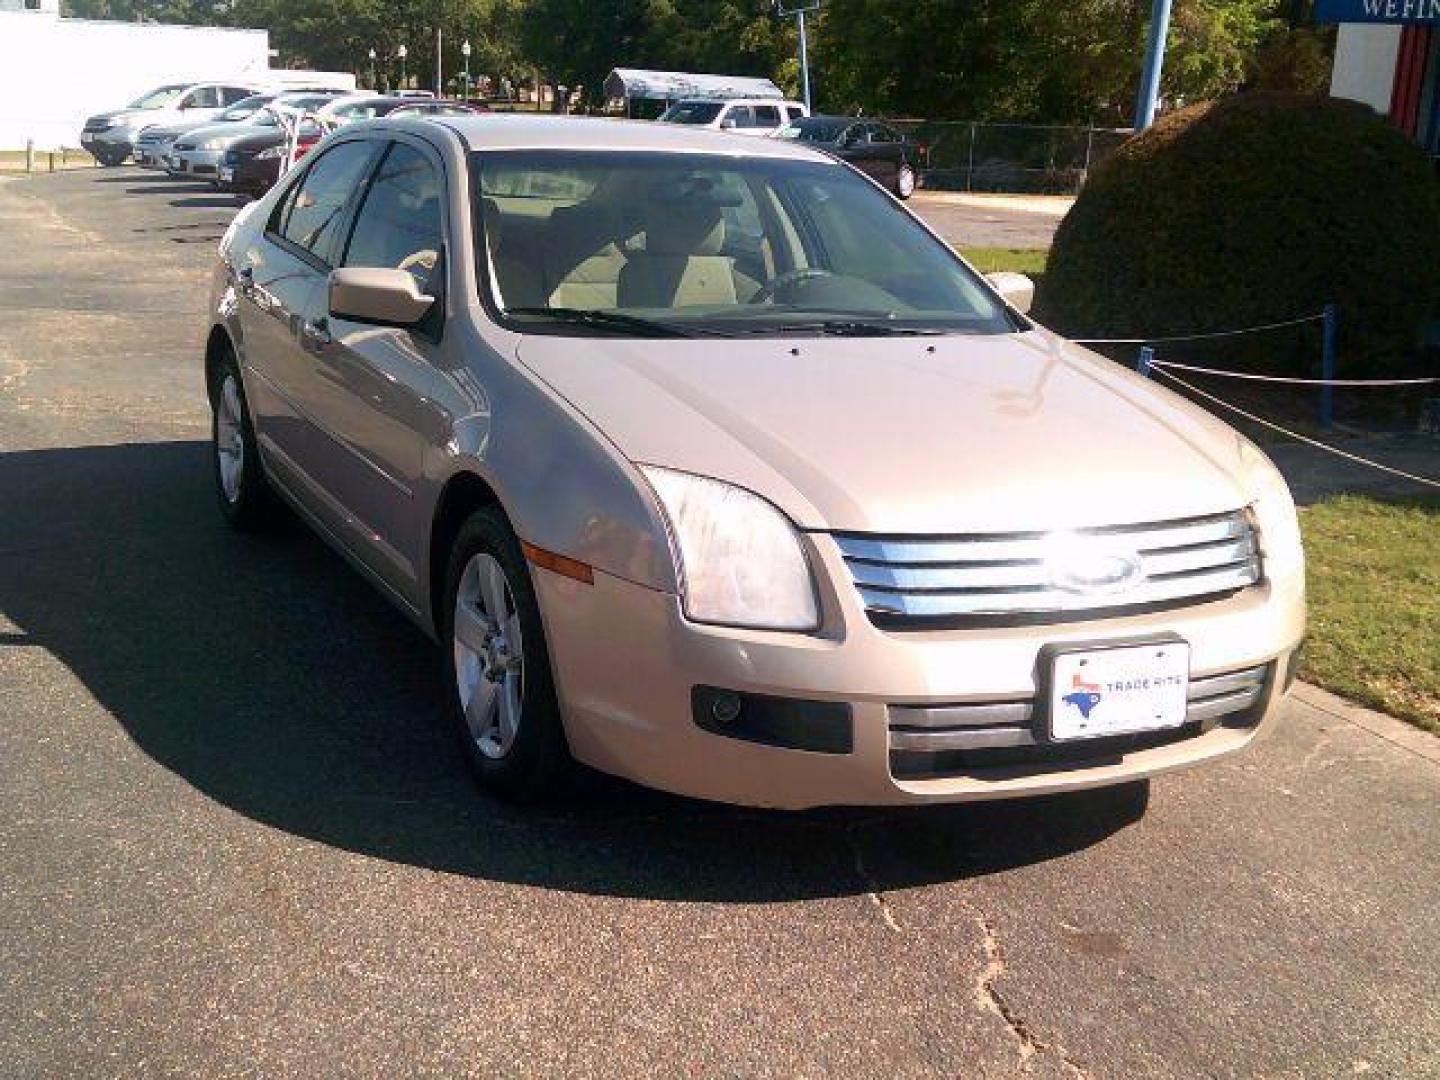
{"x":1255,"y":209}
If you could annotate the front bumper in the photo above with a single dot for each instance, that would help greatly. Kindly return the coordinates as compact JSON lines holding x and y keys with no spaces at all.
{"x":627,"y":703}
{"x":115,"y":141}
{"x":204,"y":163}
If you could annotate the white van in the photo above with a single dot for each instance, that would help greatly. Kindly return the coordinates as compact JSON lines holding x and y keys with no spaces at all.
{"x":744,"y":116}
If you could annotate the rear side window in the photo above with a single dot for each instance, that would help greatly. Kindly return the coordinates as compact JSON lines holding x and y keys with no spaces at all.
{"x":741,"y":116}
{"x":794,"y":112}
{"x":229,"y":95}
{"x":399,"y":223}
{"x":318,"y":206}
{"x":767,"y":116}
{"x":202,"y":97}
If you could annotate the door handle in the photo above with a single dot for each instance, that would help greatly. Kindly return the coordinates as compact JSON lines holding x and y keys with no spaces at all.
{"x":245,"y":278}
{"x":316,"y":333}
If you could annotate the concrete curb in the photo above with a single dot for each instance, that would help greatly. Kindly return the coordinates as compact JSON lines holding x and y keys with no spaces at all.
{"x":1420,"y":743}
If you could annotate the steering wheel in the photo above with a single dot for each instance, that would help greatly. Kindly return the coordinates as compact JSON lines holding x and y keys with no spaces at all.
{"x":790,"y":277}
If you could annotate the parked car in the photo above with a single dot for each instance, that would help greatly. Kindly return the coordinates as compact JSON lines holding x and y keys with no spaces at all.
{"x":154,"y":144}
{"x":250,"y":165}
{"x":436,"y":108}
{"x":199,"y":152}
{"x":876,"y":149}
{"x":111,"y":136}
{"x":820,"y":519}
{"x":745,"y":116}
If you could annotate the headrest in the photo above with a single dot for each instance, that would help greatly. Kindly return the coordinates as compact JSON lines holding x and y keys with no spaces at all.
{"x":680,"y":229}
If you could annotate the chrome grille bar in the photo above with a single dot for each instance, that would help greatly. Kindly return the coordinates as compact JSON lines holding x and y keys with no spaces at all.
{"x":1013,"y":574}
{"x":986,"y":725}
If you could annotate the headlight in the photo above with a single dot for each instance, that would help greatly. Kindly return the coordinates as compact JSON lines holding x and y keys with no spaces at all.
{"x":739,"y":559}
{"x":271,"y":153}
{"x":1274,"y":508}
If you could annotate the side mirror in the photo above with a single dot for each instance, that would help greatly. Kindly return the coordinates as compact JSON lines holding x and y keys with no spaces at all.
{"x":377,"y":295}
{"x":1017,"y":290}
{"x":727,"y":124}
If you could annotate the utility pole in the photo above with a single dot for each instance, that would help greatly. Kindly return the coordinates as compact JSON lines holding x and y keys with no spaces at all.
{"x":439,"y":68}
{"x":1154,"y":62}
{"x":465,"y":52}
{"x":402,"y":52}
{"x":798,"y":8}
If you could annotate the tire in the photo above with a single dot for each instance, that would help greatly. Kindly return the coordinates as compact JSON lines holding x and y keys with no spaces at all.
{"x":110,"y":158}
{"x":905,"y":181}
{"x":246,"y":499}
{"x":524,"y":759}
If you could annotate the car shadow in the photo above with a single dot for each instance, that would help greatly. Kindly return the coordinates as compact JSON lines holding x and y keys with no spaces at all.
{"x":208,"y":202}
{"x":275,"y":681}
{"x":178,"y":187}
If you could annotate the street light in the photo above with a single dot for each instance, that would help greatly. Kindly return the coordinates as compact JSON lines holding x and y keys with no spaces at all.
{"x":798,"y":9}
{"x":465,"y":52}
{"x":372,"y":70}
{"x":402,"y":52}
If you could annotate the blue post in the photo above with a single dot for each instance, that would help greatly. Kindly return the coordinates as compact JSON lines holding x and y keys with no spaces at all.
{"x":1145,"y":360}
{"x":1154,"y":61}
{"x":1327,"y":365}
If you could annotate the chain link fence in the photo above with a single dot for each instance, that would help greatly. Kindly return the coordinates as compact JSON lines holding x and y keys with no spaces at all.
{"x":1012,"y":158}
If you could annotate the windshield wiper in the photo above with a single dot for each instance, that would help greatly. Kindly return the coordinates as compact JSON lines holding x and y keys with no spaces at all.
{"x":613,"y":320}
{"x":842,"y":328}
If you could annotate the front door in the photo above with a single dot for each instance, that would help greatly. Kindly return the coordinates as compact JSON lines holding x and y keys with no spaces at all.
{"x":375,"y":389}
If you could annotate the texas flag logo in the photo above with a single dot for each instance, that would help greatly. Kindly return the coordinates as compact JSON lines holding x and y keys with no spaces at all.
{"x":1084,"y":695}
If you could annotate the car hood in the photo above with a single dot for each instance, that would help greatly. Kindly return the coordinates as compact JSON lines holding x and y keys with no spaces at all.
{"x":228,"y":133}
{"x":255,"y":138}
{"x":954,"y":434}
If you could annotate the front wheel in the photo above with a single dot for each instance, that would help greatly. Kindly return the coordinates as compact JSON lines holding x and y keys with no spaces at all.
{"x":501,"y":697}
{"x":110,"y":158}
{"x":905,"y":181}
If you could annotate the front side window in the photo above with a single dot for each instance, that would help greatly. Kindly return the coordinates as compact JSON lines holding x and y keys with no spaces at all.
{"x":691,"y":112}
{"x":767,"y":116}
{"x":399,"y":225}
{"x":651,"y":244}
{"x":244,"y":108}
{"x":229,"y":95}
{"x":156,"y":99}
{"x":739,"y":116}
{"x":323,"y":196}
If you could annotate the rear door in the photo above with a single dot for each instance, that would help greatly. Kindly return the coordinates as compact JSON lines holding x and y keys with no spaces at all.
{"x":376,"y":387}
{"x":279,"y":299}
{"x":887,"y":148}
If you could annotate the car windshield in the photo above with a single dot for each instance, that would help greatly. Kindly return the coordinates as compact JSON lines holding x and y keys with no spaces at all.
{"x":704,"y":244}
{"x":691,"y":112}
{"x":813,"y":130}
{"x":156,"y":98}
{"x":245,"y":107}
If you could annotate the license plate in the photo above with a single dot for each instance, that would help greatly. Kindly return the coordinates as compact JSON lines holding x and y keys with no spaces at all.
{"x":227,"y":175}
{"x":1118,"y":690}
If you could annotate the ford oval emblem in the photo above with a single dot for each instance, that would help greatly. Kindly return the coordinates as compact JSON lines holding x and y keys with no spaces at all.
{"x":1095,"y":572}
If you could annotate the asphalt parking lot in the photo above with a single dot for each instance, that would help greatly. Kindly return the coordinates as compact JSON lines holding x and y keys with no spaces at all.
{"x":236,"y":841}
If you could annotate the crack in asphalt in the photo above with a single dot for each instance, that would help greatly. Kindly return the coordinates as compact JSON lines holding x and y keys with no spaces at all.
{"x":989,"y":998}
{"x":872,"y":886}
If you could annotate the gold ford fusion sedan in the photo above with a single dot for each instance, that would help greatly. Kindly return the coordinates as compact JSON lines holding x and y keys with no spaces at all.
{"x":710,"y":466}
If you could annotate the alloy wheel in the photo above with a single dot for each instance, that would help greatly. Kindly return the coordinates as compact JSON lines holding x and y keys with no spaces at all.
{"x":489,"y":656}
{"x":230,"y":439}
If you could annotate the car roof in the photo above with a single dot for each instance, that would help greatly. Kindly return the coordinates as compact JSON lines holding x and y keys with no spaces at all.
{"x":517,"y":131}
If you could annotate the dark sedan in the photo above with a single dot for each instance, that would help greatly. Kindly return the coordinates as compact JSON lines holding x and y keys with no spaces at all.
{"x":872,"y":147}
{"x":252,"y":165}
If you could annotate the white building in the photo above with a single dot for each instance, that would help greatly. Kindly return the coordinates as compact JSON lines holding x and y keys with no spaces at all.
{"x":54,"y":72}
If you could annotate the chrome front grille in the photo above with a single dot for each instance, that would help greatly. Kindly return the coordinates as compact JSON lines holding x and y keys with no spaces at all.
{"x":986,"y":726}
{"x":919,"y":580}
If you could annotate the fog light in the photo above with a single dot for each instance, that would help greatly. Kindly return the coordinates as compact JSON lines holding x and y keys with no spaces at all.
{"x":725,"y":708}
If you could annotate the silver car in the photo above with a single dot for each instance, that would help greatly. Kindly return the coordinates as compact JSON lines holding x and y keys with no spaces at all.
{"x":199,"y":151}
{"x":709,"y":465}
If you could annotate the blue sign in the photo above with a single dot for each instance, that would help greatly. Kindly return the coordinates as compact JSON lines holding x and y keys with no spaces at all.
{"x":1377,"y":11}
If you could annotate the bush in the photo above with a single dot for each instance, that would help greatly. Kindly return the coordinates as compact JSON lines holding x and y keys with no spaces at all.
{"x":1260,"y":208}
